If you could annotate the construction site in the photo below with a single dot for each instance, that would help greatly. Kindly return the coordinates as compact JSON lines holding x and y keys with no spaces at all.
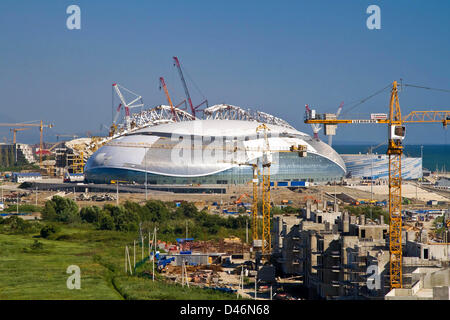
{"x":316,"y":231}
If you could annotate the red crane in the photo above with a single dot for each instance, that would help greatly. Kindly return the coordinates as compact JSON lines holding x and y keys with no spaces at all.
{"x":163,"y":84}
{"x":188,"y":96}
{"x":177,"y":64}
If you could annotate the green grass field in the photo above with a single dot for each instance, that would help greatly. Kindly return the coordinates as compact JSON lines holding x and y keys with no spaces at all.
{"x":40,"y":273}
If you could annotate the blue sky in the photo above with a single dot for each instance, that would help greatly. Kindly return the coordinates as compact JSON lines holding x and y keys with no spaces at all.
{"x":275,"y":56}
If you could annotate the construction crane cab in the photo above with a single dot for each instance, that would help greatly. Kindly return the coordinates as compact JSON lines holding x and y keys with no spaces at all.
{"x":397,"y":132}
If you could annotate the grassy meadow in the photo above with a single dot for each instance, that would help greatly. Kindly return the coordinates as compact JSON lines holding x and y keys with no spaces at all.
{"x":33,"y":272}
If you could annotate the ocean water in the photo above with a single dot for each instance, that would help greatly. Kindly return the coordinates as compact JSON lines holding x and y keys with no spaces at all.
{"x":434,"y":156}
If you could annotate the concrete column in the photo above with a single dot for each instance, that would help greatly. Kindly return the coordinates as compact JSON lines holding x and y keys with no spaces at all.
{"x":362,"y":220}
{"x":346,"y":223}
{"x":335,"y":229}
{"x":308,"y":210}
{"x":381,"y":219}
{"x":424,"y":236}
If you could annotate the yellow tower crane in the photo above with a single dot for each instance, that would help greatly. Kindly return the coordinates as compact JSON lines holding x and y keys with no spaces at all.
{"x":41,"y":126}
{"x":255,"y":202}
{"x":266,"y":163}
{"x":14,"y":131}
{"x":396,"y":131}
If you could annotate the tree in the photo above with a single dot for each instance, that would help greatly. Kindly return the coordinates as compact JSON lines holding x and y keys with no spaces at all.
{"x":49,"y":212}
{"x":105,"y":221}
{"x":123,"y":220}
{"x":155,"y":210}
{"x":90,"y":214}
{"x":61,"y":209}
{"x":188,"y":209}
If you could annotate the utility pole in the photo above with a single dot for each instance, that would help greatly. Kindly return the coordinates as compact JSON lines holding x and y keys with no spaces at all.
{"x":149,"y":248}
{"x":145,"y":162}
{"x":117,"y":193}
{"x":142,"y":246}
{"x":36,"y":196}
{"x":17,"y":202}
{"x":154,"y":253}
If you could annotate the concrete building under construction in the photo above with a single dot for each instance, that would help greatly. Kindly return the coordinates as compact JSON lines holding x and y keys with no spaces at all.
{"x":335,"y":255}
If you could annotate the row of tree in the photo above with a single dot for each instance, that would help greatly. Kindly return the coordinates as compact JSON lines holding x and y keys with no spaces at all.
{"x":170,"y":219}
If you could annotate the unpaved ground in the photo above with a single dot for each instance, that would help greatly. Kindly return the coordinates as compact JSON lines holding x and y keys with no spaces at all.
{"x":408,"y":191}
{"x":298,"y":197}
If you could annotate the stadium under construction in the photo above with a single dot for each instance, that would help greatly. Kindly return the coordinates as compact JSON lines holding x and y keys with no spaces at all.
{"x":156,"y":154}
{"x":167,"y":144}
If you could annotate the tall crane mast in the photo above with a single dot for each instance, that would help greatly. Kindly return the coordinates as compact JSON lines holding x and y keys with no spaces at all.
{"x":266,"y":163}
{"x":396,"y":131}
{"x":395,"y":151}
{"x":163,"y":84}
{"x":255,"y":181}
{"x":186,"y":91}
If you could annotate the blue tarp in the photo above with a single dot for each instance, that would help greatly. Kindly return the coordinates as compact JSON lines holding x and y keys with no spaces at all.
{"x":298,"y":183}
{"x":184,"y":239}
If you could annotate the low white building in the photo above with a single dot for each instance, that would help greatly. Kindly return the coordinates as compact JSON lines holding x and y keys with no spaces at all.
{"x":20,"y":177}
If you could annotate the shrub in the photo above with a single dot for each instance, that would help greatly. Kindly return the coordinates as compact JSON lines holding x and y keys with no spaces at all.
{"x":36,"y":245}
{"x":16,"y":225}
{"x":48,"y":230}
{"x":24,"y":208}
